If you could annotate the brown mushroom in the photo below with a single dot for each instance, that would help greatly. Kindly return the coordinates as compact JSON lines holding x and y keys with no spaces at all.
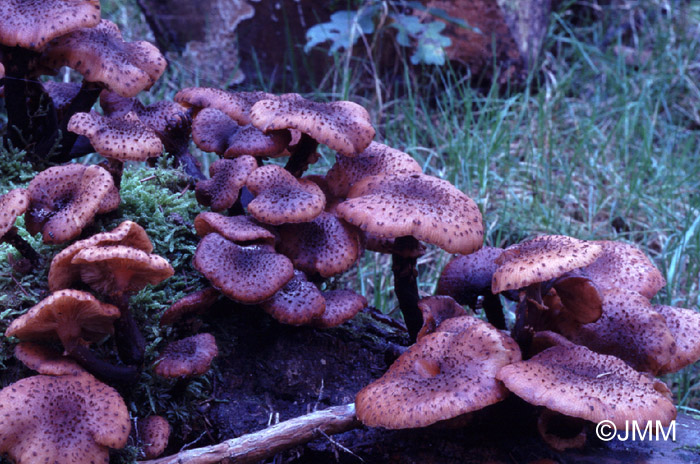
{"x":194,"y":303}
{"x":341,"y":306}
{"x":45,"y":360}
{"x":153,"y":434}
{"x":435,"y":310}
{"x":189,"y":357}
{"x":228,"y":177}
{"x":298,"y":302}
{"x":243,"y":230}
{"x":684,"y":325}
{"x":236,"y":105}
{"x":12,"y":205}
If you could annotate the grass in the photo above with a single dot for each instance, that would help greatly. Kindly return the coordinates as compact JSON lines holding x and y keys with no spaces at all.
{"x":600,"y":145}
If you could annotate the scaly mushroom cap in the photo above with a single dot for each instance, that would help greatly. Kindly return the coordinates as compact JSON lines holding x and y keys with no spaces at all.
{"x":245,"y":274}
{"x":343,"y":126}
{"x":341,"y":306}
{"x":66,"y":419}
{"x":188,"y":357}
{"x":376,"y":159}
{"x":212,"y":129}
{"x":45,"y":360}
{"x":540,"y":259}
{"x":464,"y":278}
{"x":71,"y":316}
{"x":447,"y":373}
{"x":684,"y":325}
{"x":435,"y":310}
{"x":32,"y":24}
{"x":578,"y":382}
{"x":193,"y":303}
{"x":154,"y":432}
{"x":235,"y":105}
{"x":629,"y":329}
{"x":228,"y":177}
{"x":298,"y":302}
{"x":623,"y":265}
{"x":124,"y":138}
{"x":62,"y":94}
{"x":119,"y":269}
{"x":159,"y":116}
{"x":327,"y":245}
{"x":241,"y":230}
{"x":281,"y":198}
{"x":428,"y":208}
{"x":12,"y":205}
{"x":62,"y":273}
{"x":100,"y":55}
{"x":64,"y":199}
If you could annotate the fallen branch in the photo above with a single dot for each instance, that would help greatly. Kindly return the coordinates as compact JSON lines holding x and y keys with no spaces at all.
{"x":272,"y":440}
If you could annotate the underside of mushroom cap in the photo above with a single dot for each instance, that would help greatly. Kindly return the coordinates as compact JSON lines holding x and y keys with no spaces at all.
{"x":445,"y":374}
{"x":66,"y":419}
{"x":342,"y":125}
{"x":578,"y":382}
{"x":425,"y":207}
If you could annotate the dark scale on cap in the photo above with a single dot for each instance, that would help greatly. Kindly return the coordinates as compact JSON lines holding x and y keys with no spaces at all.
{"x":327,"y":245}
{"x":428,"y":208}
{"x":154,"y":432}
{"x":67,"y":419}
{"x":578,"y":382}
{"x":341,"y":306}
{"x":540,"y":259}
{"x":188,"y":357}
{"x":281,"y":198}
{"x":684,"y":325}
{"x":245,"y":274}
{"x":212,"y":129}
{"x":298,"y":302}
{"x":228,"y":177}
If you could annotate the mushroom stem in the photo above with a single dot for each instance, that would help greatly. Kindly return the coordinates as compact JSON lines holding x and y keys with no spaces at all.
{"x":528,"y":316}
{"x":102,"y":369}
{"x":494,"y":310}
{"x":24,"y":248}
{"x":131,"y":344}
{"x":302,"y":156}
{"x":406,"y":284}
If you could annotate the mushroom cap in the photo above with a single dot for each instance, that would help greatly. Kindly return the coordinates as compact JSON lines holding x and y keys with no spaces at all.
{"x":62,"y":273}
{"x":235,"y":105}
{"x":249,"y":140}
{"x":196,"y":302}
{"x":578,"y":382}
{"x":188,"y":357}
{"x":154,"y":432}
{"x":341,"y":306}
{"x":245,"y":274}
{"x":684,"y":325}
{"x":31,"y":25}
{"x":629,"y":329}
{"x":238,"y":229}
{"x":327,"y":245}
{"x":119,"y":269}
{"x":100,"y":54}
{"x":228,"y":177}
{"x":66,"y":419}
{"x":447,"y":373}
{"x":624,"y":266}
{"x":425,"y":207}
{"x":298,"y":302}
{"x":45,"y":360}
{"x":464,"y":278}
{"x":282,"y":198}
{"x":436,"y":309}
{"x":64,"y":199}
{"x":540,"y":259}
{"x":124,"y":138}
{"x":62,"y":94}
{"x":377,"y":158}
{"x":342,"y":125}
{"x":72,"y":316}
{"x":12,"y":205}
{"x":160,"y":116}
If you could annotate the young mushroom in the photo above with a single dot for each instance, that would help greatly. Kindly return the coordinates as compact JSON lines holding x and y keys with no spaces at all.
{"x":189,"y":357}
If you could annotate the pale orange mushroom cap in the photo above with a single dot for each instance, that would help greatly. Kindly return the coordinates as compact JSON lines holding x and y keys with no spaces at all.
{"x":154,"y":432}
{"x":298,"y":302}
{"x":32,"y":24}
{"x":245,"y":274}
{"x":64,"y":199}
{"x":227,"y":179}
{"x":540,"y":259}
{"x":66,"y":419}
{"x":235,"y":105}
{"x":342,"y":125}
{"x":624,"y":266}
{"x":282,"y":198}
{"x":119,"y":269}
{"x":422,"y":206}
{"x":578,"y":382}
{"x":196,"y":302}
{"x":188,"y":357}
{"x":684,"y":325}
{"x":100,"y":54}
{"x":238,"y":229}
{"x":12,"y":205}
{"x":377,"y":158}
{"x":447,"y":373}
{"x":124,"y":138}
{"x":341,"y":306}
{"x":62,"y":273}
{"x":45,"y":360}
